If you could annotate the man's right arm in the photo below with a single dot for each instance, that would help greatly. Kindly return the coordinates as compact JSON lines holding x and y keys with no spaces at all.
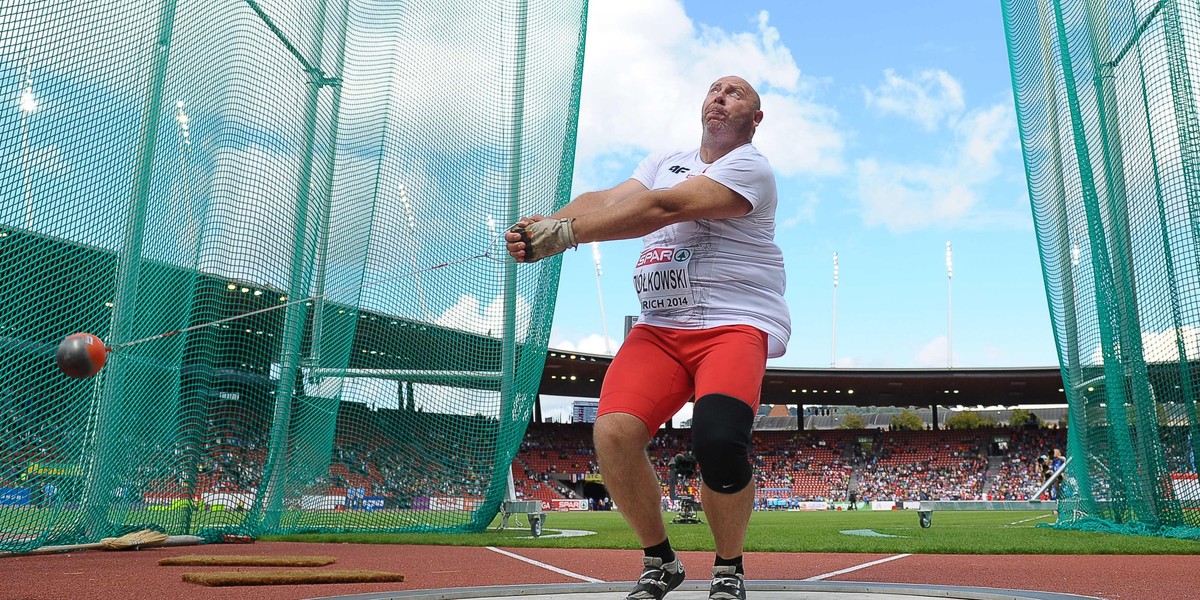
{"x":591,"y":202}
{"x":584,"y":204}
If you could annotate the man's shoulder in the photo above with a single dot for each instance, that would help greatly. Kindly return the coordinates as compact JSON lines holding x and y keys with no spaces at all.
{"x":677,"y":154}
{"x":745,"y":158}
{"x":669,"y":159}
{"x":751,"y":152}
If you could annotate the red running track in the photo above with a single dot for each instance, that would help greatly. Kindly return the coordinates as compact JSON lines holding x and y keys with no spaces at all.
{"x":136,"y":574}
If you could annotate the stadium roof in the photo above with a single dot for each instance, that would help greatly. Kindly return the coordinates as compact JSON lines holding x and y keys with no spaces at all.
{"x":580,"y":375}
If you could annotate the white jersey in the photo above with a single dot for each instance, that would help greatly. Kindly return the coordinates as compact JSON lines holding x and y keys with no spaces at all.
{"x":714,"y":272}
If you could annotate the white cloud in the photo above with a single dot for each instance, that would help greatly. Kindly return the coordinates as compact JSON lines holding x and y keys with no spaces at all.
{"x":646,"y":71}
{"x":848,"y":362}
{"x":804,"y":210}
{"x":799,"y":137}
{"x":928,"y":98}
{"x":557,"y":408}
{"x":467,"y":315}
{"x":907,"y":196}
{"x":983,"y":134}
{"x":933,"y":353}
{"x":903,"y":197}
{"x":1162,"y":346}
{"x":684,"y":414}
{"x":251,"y":217}
{"x":590,"y":344}
{"x":994,"y":356}
{"x":561,"y":408}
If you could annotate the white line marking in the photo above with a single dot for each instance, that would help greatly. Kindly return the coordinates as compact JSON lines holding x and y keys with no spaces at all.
{"x":548,"y":567}
{"x":1031,"y":519}
{"x":562,"y":533}
{"x":857,"y":567}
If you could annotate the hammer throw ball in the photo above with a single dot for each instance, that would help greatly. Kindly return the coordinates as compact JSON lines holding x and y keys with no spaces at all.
{"x":81,"y":355}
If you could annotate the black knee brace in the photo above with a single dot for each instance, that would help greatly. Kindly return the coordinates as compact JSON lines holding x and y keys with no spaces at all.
{"x":721,"y":439}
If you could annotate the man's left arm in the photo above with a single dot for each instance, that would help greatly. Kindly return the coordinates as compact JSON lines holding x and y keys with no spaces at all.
{"x":695,"y":199}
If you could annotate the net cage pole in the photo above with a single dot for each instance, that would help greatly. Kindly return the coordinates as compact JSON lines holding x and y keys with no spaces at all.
{"x":1107,"y":302}
{"x":1148,"y":438}
{"x":1187,"y":125}
{"x":325,"y":229}
{"x":1184,"y":113}
{"x":311,"y":442}
{"x":111,"y":400}
{"x":502,"y":460}
{"x":271,"y":502}
{"x":1062,"y":256}
{"x":322,"y":454}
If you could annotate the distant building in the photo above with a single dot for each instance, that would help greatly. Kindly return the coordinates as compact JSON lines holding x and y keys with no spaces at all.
{"x":584,"y":411}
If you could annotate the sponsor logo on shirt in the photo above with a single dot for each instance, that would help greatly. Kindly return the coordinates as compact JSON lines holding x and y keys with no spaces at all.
{"x":661,"y":278}
{"x":655,"y":256}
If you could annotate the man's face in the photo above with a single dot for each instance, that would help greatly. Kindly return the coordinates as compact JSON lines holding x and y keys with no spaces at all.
{"x":731,"y":103}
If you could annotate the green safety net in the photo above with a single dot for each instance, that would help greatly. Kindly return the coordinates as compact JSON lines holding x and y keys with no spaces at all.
{"x":1106,"y":95}
{"x":312,"y":192}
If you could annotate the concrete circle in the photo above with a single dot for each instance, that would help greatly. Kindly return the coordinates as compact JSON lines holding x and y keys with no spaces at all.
{"x":698,"y":590}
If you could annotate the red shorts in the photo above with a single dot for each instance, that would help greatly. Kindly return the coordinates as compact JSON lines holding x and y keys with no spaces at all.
{"x":658,"y":370}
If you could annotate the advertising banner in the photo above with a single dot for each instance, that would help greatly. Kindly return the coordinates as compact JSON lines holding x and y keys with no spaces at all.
{"x":436,"y":503}
{"x":228,"y":500}
{"x":1186,"y":486}
{"x":812,"y":506}
{"x":568,"y":504}
{"x":14,"y":496}
{"x":321,"y":502}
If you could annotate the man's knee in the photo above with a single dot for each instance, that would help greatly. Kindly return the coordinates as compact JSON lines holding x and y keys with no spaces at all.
{"x":619,"y":430}
{"x":721,"y":428}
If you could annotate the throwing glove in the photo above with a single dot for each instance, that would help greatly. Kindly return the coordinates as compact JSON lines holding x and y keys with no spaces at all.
{"x":546,"y":238}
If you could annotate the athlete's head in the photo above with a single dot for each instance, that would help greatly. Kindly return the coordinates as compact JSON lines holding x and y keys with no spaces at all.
{"x":732,"y":110}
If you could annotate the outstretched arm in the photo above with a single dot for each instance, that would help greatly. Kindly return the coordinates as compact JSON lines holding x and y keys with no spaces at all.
{"x":624,"y":212}
{"x":585,"y":204}
{"x":591,"y":202}
{"x":648,"y":211}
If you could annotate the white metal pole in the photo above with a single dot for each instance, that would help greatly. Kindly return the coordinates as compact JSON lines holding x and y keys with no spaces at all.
{"x":833,"y":353}
{"x":949,"y":306}
{"x":600,"y":295}
{"x":27,"y":104}
{"x":185,"y":147}
{"x":411,"y":221}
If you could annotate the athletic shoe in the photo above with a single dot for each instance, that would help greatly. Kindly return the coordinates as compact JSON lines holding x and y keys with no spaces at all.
{"x":727,"y":584}
{"x":657,"y":579}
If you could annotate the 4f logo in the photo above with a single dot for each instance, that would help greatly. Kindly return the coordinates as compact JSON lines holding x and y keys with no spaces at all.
{"x":678,"y":169}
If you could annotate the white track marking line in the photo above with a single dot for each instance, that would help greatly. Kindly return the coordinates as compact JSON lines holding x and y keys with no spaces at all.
{"x":546,"y":566}
{"x":1031,"y":519}
{"x":857,"y":567}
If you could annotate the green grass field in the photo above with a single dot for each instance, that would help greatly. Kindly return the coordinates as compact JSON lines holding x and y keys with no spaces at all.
{"x":953,"y":532}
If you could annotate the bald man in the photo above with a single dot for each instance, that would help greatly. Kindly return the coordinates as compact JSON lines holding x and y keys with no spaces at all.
{"x":710,"y":282}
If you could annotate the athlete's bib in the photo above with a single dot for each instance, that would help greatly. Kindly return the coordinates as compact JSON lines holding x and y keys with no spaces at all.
{"x":661,"y":279}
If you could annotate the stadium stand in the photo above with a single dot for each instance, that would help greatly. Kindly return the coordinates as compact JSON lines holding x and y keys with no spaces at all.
{"x":794,"y":467}
{"x":554,"y":460}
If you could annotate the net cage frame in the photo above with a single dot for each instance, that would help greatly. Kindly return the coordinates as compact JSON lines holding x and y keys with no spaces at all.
{"x":1106,"y":106}
{"x":240,"y":156}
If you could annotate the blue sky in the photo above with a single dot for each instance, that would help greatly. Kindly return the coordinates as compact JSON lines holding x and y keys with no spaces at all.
{"x":890,"y":125}
{"x":892,"y":130}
